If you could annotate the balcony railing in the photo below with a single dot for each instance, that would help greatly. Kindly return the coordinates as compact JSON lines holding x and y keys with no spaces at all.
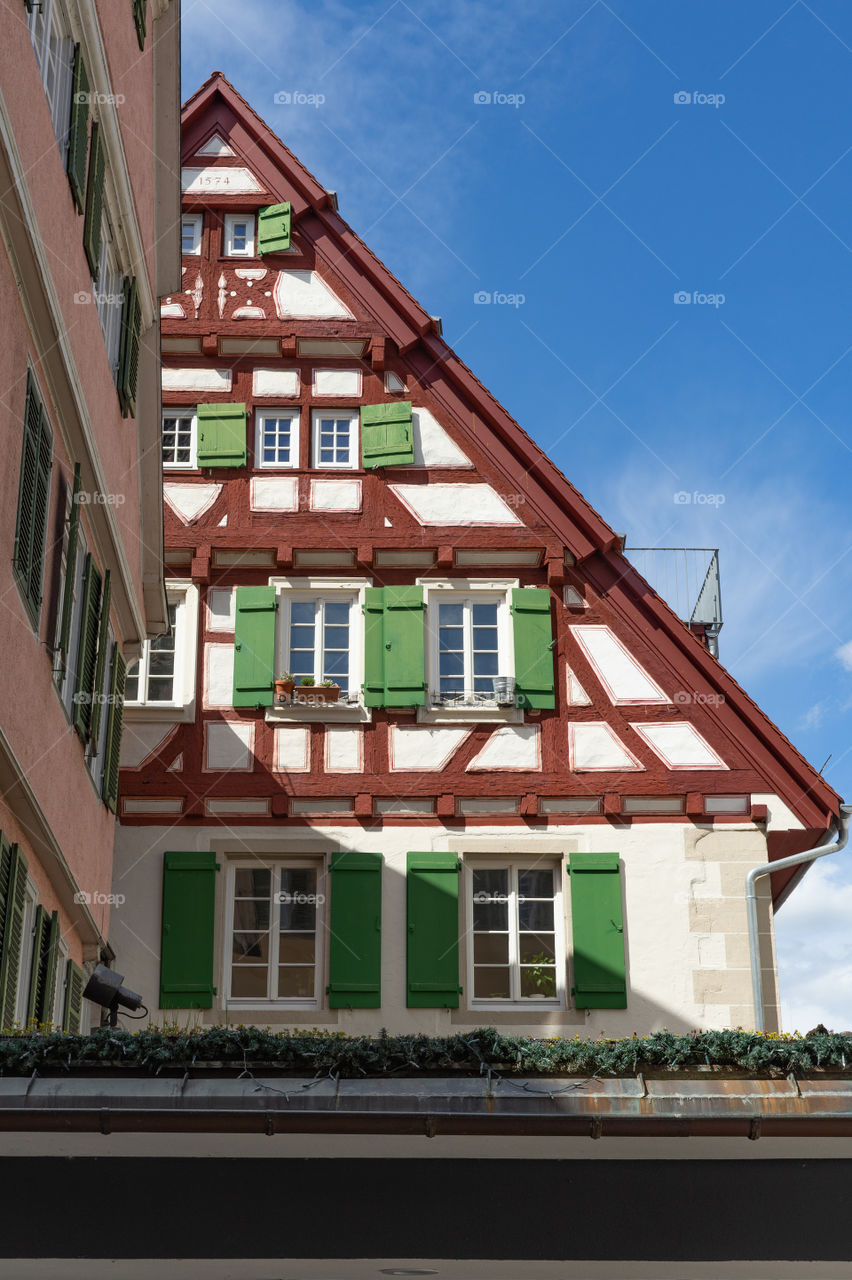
{"x":687,"y":578}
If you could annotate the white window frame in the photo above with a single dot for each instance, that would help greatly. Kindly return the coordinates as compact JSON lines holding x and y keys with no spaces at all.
{"x":230,"y":220}
{"x":342,"y":710}
{"x":275,"y":863}
{"x":108,"y":293}
{"x":292,"y":413}
{"x":54,"y":51}
{"x":186,"y":412}
{"x":334,"y":596}
{"x":449,"y":590}
{"x":25,"y":968}
{"x":182,"y":706}
{"x":354,"y":463}
{"x":196,"y":221}
{"x":514,"y":863}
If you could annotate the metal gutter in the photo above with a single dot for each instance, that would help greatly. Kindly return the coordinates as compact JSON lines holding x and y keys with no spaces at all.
{"x":530,"y":1106}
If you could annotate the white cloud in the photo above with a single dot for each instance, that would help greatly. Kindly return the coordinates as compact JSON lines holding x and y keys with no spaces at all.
{"x":844,"y":655}
{"x":814,"y":944}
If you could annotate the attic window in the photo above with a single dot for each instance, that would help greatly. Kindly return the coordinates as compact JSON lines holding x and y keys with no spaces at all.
{"x":239,"y":235}
{"x":190,"y":234}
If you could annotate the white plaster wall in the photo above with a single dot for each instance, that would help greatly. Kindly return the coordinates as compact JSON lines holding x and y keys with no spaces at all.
{"x":205,"y":379}
{"x":215,"y":146}
{"x":623,"y":678}
{"x":418,"y":747}
{"x":221,"y":606}
{"x":596,"y":746}
{"x":228,"y":745}
{"x":138,"y":740}
{"x":335,"y":495}
{"x":337,"y":382}
{"x":433,"y":447}
{"x":275,"y":382}
{"x":226,"y":180}
{"x":680,"y":746}
{"x":274,"y":493}
{"x":454,"y":504}
{"x":218,"y":675}
{"x":189,"y":501}
{"x":292,"y":753}
{"x":344,"y":748}
{"x":305,"y":295}
{"x":685,"y":922}
{"x":512,"y":746}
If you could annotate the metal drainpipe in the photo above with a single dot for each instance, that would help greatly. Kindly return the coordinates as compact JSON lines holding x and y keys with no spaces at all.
{"x":766,"y":869}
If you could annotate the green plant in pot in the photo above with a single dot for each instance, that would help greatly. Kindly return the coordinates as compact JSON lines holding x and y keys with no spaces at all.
{"x":284,"y":686}
{"x":543,"y":974}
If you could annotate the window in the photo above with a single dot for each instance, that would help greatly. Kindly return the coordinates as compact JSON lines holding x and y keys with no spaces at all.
{"x":274,"y":924}
{"x":59,"y":991}
{"x":153,"y":678}
{"x":514,"y":922}
{"x":277,"y":438}
{"x":96,"y":754}
{"x":180,"y":436}
{"x":318,"y":634}
{"x":54,"y":51}
{"x":108,"y":294}
{"x":33,"y":501}
{"x":161,"y":683}
{"x":25,"y":968}
{"x":470,"y":648}
{"x":67,"y":679}
{"x":239,"y":235}
{"x":190,"y":234}
{"x":335,"y":439}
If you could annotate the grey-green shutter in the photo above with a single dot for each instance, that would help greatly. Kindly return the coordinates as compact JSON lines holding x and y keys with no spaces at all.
{"x":78,"y":133}
{"x":41,"y":928}
{"x":98,"y":694}
{"x":73,"y":999}
{"x":189,"y":922}
{"x":254,"y":646}
{"x":13,"y":899}
{"x":139,"y":7}
{"x":70,"y":566}
{"x":128,"y":354}
{"x":33,"y":496}
{"x":94,"y":201}
{"x":49,"y":955}
{"x":112,"y":749}
{"x":600,"y":973}
{"x":84,"y":683}
{"x":432,"y":952}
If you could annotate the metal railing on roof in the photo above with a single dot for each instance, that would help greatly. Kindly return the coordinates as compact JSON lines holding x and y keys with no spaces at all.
{"x":687,"y":578}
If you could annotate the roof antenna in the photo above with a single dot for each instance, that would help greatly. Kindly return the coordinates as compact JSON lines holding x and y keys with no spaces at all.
{"x":825,"y":762}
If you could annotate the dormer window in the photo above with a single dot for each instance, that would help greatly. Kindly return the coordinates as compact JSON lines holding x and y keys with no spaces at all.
{"x":239,"y":235}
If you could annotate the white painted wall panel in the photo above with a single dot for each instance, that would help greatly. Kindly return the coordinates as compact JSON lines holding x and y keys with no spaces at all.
{"x":597,"y":746}
{"x":337,"y":382}
{"x":680,"y":746}
{"x":433,"y":447}
{"x":275,"y":382}
{"x":274,"y":493}
{"x":218,"y":675}
{"x":206,"y":379}
{"x":292,"y":749}
{"x":623,"y":678}
{"x":344,"y":748}
{"x":455,"y":504}
{"x":305,"y":295}
{"x":228,"y":745}
{"x":417,"y":747}
{"x":512,"y":746}
{"x":189,"y":501}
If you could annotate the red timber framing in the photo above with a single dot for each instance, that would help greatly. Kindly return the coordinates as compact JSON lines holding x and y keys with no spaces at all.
{"x":555,"y":541}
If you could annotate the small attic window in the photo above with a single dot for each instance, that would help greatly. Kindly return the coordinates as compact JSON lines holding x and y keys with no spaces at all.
{"x":239,"y":235}
{"x":190,"y":234}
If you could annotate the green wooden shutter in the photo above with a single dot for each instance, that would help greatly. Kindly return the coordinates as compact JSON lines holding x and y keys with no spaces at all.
{"x":98,"y":692}
{"x":533,"y":633}
{"x":112,"y":748}
{"x":84,"y":684}
{"x":70,"y":566}
{"x":33,"y":496}
{"x":73,"y":999}
{"x":78,"y":133}
{"x":394,"y":647}
{"x":432,"y":885}
{"x":189,"y":918}
{"x":600,"y":976}
{"x":128,"y":352}
{"x":139,"y":7}
{"x":273,"y":228}
{"x":355,"y":946}
{"x":47,"y":981}
{"x":13,"y":894}
{"x":41,"y":928}
{"x":94,"y":202}
{"x":221,"y":435}
{"x":387,"y":436}
{"x":254,"y":646}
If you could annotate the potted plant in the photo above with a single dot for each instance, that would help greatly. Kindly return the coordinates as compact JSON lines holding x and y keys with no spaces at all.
{"x":284,"y":686}
{"x":542,"y":972}
{"x":328,"y":691}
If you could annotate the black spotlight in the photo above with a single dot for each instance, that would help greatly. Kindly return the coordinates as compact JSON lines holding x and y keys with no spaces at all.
{"x":104,"y":988}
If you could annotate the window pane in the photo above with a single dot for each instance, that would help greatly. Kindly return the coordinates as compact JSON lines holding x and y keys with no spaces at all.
{"x":491,"y":984}
{"x":302,"y":611}
{"x":131,"y":687}
{"x":247,"y":982}
{"x":490,"y":882}
{"x":536,"y":948}
{"x":336,"y":637}
{"x":490,"y":915}
{"x":296,"y":982}
{"x":251,"y":948}
{"x":337,"y":612}
{"x":302,"y":637}
{"x":251,"y":914}
{"x":297,"y":948}
{"x":485,"y":615}
{"x":540,"y":981}
{"x":491,"y":948}
{"x":535,"y":915}
{"x":451,"y":615}
{"x":450,"y":638}
{"x":252,"y":883}
{"x":535,"y":884}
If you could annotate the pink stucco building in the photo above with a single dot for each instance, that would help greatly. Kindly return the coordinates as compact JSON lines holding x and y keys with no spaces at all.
{"x":89,"y":233}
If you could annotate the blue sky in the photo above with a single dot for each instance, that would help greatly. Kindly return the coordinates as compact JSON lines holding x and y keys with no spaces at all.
{"x":587,"y":162}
